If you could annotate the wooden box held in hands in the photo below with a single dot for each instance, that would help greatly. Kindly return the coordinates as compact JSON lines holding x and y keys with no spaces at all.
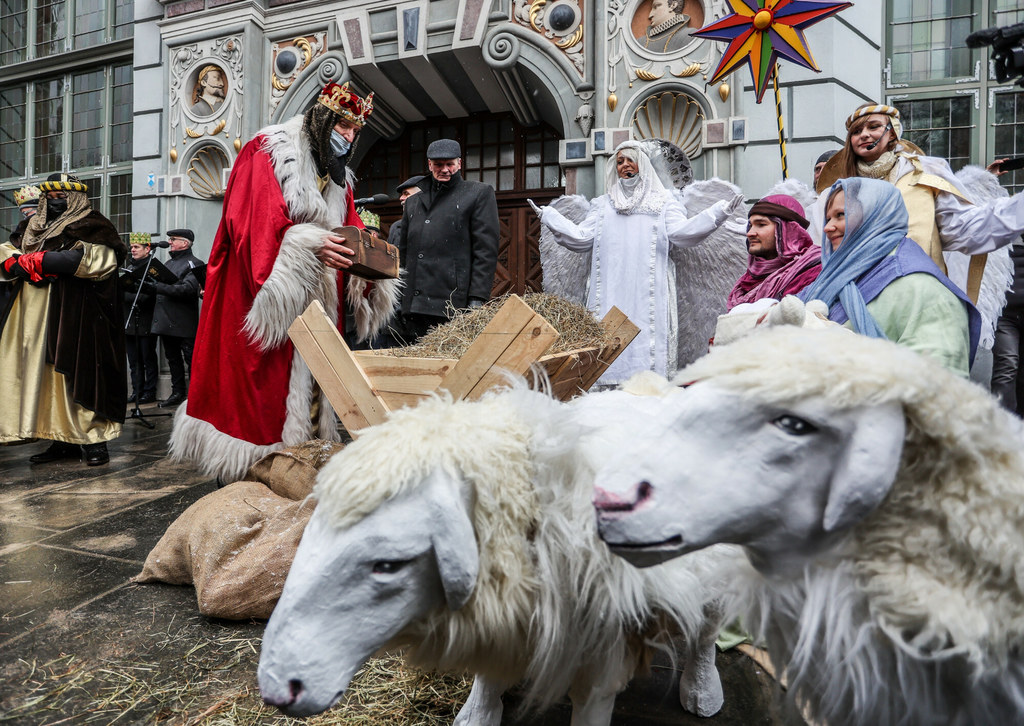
{"x":374,"y":258}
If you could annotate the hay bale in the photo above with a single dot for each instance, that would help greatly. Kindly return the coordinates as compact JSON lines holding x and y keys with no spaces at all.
{"x":577,"y":328}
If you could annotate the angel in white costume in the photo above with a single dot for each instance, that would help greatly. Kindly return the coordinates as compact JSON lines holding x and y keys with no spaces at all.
{"x":629,"y":233}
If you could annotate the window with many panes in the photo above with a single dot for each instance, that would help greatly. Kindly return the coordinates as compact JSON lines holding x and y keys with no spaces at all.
{"x":927,"y":40}
{"x":496,"y":151}
{"x":940,"y":126}
{"x":1008,"y":135}
{"x":79,"y":121}
{"x":13,"y":30}
{"x":1006,"y":12}
{"x":31,"y":29}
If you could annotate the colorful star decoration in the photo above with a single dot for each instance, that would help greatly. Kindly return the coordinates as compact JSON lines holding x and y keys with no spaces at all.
{"x":760,"y":31}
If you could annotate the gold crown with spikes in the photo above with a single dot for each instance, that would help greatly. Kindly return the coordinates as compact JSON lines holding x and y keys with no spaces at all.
{"x":346,"y":104}
{"x":27,"y":195}
{"x":140,"y":238}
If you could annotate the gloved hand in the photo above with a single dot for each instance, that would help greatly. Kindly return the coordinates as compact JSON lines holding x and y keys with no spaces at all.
{"x":475,"y":303}
{"x":32,"y":263}
{"x":14,"y":269}
{"x":536,"y":209}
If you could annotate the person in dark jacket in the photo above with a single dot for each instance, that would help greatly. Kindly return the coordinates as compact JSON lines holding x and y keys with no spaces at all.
{"x":1007,"y":376}
{"x":448,"y":242}
{"x":176,"y":314}
{"x":404,"y":190}
{"x":140,"y":344}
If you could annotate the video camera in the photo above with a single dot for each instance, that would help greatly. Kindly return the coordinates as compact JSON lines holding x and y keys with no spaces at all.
{"x":1007,"y":50}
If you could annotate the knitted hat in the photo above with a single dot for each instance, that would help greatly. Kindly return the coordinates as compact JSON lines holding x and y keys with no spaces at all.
{"x":27,"y":196}
{"x":869,"y":108}
{"x":346,"y":104}
{"x":186,"y":233}
{"x":58,"y":182}
{"x":140,"y":238}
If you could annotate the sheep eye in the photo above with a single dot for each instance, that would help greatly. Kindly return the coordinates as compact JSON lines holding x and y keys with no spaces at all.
{"x":388,"y":567}
{"x":795,"y":426}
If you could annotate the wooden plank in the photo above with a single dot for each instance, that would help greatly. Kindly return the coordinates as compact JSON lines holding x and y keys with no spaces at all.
{"x":396,"y":401}
{"x":622,"y":330}
{"x":403,"y":375}
{"x":511,"y":320}
{"x":569,"y":381}
{"x":522,"y":353}
{"x":336,"y":370}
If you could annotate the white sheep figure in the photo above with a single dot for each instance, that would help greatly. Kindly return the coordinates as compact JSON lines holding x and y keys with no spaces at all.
{"x":464,"y":531}
{"x":880,"y":501}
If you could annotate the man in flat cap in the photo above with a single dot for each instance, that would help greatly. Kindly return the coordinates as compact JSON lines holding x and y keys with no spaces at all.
{"x":448,"y":242}
{"x":176,"y":313}
{"x":274,"y":253}
{"x":404,"y":190}
{"x":62,"y":346}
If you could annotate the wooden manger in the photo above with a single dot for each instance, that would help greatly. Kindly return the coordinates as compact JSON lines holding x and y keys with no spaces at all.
{"x":363,"y":386}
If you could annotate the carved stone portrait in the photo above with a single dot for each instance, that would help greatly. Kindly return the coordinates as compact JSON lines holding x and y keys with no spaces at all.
{"x":209,"y":90}
{"x":663,"y":26}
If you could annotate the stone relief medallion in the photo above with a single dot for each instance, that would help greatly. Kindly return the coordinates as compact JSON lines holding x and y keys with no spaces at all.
{"x":208,"y":84}
{"x":289,"y":61}
{"x":664,"y":26}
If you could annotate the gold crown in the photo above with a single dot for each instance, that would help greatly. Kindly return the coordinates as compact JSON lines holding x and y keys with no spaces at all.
{"x":26,"y":195}
{"x":140,"y":238}
{"x":346,"y":104}
{"x":371,"y":220}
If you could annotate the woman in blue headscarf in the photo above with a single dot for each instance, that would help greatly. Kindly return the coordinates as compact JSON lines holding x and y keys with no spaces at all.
{"x":885,"y":285}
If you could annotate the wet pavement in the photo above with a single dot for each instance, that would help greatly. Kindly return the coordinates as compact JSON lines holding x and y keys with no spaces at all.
{"x":81,"y":644}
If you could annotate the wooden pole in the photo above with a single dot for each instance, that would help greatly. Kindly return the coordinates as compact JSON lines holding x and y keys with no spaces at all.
{"x":778,"y":115}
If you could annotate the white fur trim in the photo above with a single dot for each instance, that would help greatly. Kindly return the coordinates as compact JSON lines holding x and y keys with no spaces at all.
{"x":372,"y":311}
{"x":297,"y":425}
{"x":213,"y":452}
{"x":297,"y":278}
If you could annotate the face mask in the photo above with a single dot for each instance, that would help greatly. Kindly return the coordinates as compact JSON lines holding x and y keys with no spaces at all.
{"x":56,"y":207}
{"x":339,"y":144}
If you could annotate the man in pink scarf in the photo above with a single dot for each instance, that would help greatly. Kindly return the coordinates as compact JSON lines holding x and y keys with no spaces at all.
{"x":782,"y":258}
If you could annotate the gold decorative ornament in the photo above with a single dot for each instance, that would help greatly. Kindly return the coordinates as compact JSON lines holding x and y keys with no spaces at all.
{"x":238,"y":144}
{"x":723,"y":91}
{"x":173,"y":155}
{"x":535,"y":7}
{"x":690,"y":70}
{"x":307,"y":50}
{"x":671,"y":116}
{"x":219,"y":127}
{"x":192,"y":133}
{"x":205,"y":172}
{"x":276,"y":83}
{"x":645,"y":75}
{"x":613,"y":101}
{"x":571,"y":40}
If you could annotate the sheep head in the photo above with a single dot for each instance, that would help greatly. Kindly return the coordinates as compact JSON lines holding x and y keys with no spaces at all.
{"x":757,"y":452}
{"x":351,"y":590}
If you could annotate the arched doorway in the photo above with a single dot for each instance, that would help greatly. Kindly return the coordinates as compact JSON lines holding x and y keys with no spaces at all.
{"x":519,"y":162}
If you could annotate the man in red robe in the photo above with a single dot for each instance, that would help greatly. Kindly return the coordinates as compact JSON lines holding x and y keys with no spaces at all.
{"x":274,"y":254}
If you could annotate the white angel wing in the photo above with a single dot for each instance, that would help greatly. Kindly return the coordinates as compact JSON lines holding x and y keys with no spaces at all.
{"x":798,"y":190}
{"x":707,"y":272}
{"x":982,"y":187}
{"x":565,"y":272}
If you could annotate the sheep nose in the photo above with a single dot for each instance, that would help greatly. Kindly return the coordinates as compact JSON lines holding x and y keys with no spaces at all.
{"x":606,"y":502}
{"x":295,"y":689}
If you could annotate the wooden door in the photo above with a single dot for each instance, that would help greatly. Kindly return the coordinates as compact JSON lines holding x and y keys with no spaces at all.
{"x":518,"y":269}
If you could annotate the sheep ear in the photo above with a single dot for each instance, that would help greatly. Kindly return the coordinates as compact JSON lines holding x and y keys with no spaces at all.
{"x":455,"y":548}
{"x":867,"y":467}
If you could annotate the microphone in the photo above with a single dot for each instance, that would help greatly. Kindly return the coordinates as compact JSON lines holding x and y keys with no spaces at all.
{"x":161,"y":245}
{"x":375,"y":199}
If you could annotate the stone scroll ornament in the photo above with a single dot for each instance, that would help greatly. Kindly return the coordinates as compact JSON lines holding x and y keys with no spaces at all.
{"x":759,"y":32}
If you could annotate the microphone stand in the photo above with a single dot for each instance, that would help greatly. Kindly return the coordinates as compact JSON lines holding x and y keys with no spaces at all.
{"x":136,"y":411}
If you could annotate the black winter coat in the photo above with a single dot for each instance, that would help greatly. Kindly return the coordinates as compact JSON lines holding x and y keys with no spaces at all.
{"x":448,"y":246}
{"x":177,"y":304}
{"x":142,"y":317}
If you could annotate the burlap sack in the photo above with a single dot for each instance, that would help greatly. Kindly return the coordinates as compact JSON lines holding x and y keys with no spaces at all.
{"x":237,"y":544}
